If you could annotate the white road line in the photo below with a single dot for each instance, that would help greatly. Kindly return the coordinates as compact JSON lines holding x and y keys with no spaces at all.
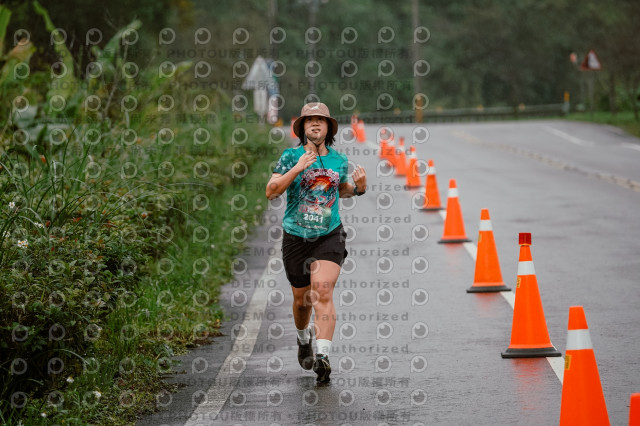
{"x":510,"y":297}
{"x":568,"y":137}
{"x":630,"y":146}
{"x":557,"y":363}
{"x":471,"y":249}
{"x":228,"y":376}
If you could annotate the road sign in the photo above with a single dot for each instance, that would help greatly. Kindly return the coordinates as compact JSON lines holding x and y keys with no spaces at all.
{"x":260,"y":81}
{"x":591,"y":62}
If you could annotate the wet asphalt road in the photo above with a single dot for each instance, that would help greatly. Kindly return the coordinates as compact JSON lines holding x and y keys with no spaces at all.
{"x":411,"y":346}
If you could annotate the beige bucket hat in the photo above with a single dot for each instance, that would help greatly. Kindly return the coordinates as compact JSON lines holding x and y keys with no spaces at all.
{"x":310,"y":109}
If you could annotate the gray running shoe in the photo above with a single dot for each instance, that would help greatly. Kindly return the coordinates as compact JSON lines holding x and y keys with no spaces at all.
{"x":305,"y":355}
{"x":322,"y":368}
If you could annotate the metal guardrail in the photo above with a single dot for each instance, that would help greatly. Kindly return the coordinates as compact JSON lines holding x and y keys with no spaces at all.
{"x":460,"y":114}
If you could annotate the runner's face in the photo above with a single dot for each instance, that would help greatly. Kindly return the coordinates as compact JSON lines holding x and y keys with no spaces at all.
{"x":316,"y":127}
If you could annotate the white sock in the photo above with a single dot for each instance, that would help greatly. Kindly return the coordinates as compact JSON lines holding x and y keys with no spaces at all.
{"x":323,"y":346}
{"x":304,"y":335}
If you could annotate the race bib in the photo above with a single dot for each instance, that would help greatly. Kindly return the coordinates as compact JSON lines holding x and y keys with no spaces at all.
{"x":314,"y":216}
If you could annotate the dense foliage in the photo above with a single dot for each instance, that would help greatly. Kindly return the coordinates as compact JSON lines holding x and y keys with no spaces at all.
{"x":490,"y":52}
{"x":114,"y":236}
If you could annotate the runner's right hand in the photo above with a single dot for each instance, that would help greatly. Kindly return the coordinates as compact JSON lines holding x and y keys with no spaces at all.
{"x":307,"y":159}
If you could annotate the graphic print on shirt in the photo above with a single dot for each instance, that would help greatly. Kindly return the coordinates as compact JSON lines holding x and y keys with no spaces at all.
{"x":318,"y":192}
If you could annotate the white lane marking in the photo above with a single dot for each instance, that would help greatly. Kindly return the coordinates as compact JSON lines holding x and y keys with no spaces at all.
{"x":568,"y":137}
{"x":226,"y":379}
{"x":510,"y":297}
{"x":471,"y":249}
{"x":630,"y":146}
{"x":557,"y":363}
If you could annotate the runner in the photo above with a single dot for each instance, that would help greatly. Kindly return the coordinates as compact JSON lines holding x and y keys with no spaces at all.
{"x":313,"y":245}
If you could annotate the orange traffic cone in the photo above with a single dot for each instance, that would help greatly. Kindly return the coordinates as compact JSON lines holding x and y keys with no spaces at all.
{"x":391,"y":152}
{"x":582,"y":397}
{"x":487,"y":277}
{"x":354,"y":126}
{"x":383,"y":149}
{"x":453,"y":222}
{"x":361,"y":137}
{"x":634,"y":410}
{"x":413,"y":180}
{"x":401,"y":159}
{"x":431,"y":194}
{"x":529,"y":335}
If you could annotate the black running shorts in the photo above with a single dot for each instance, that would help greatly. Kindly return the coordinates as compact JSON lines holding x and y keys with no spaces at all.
{"x":299,"y":253}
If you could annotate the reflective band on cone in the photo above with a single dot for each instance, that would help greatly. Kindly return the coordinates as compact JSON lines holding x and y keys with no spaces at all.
{"x":526,"y":268}
{"x":578,"y":340}
{"x":485,"y":225}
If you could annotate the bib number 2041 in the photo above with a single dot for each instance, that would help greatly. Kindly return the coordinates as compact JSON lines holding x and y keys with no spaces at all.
{"x":310,"y":217}
{"x":314,"y":216}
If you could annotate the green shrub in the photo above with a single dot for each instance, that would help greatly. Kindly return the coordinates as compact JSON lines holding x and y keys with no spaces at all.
{"x":98,"y":211}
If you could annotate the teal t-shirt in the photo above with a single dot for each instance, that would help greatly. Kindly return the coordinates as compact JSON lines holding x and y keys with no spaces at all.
{"x":312,"y":198}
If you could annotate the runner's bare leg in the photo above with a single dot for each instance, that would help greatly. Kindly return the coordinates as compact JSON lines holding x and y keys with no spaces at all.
{"x":324,"y":275}
{"x":301,"y":307}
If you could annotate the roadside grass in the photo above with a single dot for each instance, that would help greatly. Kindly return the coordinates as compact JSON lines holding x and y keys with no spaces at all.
{"x":117,"y":228}
{"x":624,"y":120}
{"x":126,"y":272}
